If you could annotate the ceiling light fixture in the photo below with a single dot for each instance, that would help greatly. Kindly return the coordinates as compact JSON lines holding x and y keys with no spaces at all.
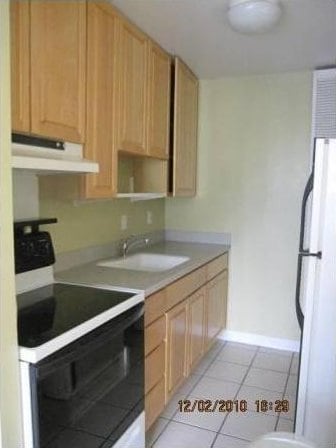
{"x":254,"y":16}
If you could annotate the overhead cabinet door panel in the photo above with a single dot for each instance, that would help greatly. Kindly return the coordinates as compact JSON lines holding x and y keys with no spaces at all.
{"x":159,"y":102}
{"x":20,"y":65}
{"x":58,"y":52}
{"x":101,"y":100}
{"x":133,"y":89}
{"x":185,"y":131}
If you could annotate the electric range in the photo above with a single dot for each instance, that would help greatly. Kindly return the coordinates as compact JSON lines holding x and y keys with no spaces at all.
{"x":81,"y":351}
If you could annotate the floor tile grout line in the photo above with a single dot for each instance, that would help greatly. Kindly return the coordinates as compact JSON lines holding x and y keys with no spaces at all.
{"x":239,"y":388}
{"x":284,"y":393}
{"x":271,"y":370}
{"x":201,"y":377}
{"x":171,"y":419}
{"x":156,"y":438}
{"x":241,"y":384}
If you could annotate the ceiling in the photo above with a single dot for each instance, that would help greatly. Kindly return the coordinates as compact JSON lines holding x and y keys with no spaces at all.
{"x":197,"y":30}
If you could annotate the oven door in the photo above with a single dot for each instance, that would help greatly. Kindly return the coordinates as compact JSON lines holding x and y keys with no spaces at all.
{"x":89,"y":393}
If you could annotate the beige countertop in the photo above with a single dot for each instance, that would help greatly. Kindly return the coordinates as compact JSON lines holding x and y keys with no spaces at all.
{"x":149,"y":282}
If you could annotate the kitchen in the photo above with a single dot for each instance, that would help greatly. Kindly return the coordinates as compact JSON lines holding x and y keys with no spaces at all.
{"x":253,"y":160}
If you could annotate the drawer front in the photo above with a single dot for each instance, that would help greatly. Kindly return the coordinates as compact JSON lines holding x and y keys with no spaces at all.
{"x":154,"y":367}
{"x":155,"y":306}
{"x":154,"y":403}
{"x":216,"y":266}
{"x":184,"y":287}
{"x":155,"y":334}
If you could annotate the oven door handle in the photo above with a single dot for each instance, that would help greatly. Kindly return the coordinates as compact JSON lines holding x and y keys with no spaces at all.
{"x":87,"y":343}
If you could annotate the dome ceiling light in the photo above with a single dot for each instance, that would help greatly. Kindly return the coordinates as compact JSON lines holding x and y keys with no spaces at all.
{"x":254,"y":16}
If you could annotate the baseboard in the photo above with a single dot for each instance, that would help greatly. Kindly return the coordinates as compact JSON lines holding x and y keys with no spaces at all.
{"x":262,"y":341}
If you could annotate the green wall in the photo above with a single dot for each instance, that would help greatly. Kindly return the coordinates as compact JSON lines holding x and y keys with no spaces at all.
{"x":91,"y":223}
{"x":254,"y":149}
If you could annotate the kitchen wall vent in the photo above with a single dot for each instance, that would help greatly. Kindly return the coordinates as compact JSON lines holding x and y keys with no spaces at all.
{"x":324,"y":104}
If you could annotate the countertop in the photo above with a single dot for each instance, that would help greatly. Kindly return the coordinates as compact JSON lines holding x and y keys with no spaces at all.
{"x":149,"y":282}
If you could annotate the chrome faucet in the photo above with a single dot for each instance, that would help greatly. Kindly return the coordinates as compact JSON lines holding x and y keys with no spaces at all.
{"x":131,"y":241}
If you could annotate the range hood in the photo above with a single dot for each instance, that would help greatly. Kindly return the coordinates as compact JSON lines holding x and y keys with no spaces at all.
{"x":45,"y":156}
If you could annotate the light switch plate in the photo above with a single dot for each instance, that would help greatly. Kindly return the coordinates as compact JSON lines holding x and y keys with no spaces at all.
{"x":123,"y":222}
{"x":149,"y":217}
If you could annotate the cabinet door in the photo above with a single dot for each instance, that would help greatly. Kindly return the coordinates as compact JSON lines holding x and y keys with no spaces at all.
{"x":159,"y":102}
{"x":196,"y":327}
{"x":101,"y":100}
{"x":58,"y":68}
{"x":133,"y":89}
{"x":20,"y":66}
{"x":177,"y":340}
{"x":185,"y":131}
{"x":216,"y":304}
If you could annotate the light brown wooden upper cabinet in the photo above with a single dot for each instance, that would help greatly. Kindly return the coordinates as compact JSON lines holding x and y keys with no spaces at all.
{"x":102,"y":89}
{"x":20,"y":65}
{"x":58,"y":69}
{"x":159,"y":102}
{"x":216,"y":304}
{"x":185,"y":131}
{"x":177,"y":347}
{"x":133,"y":54}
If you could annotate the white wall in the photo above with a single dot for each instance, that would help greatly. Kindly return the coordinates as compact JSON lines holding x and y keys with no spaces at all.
{"x":254,"y":144}
{"x":25,"y":195}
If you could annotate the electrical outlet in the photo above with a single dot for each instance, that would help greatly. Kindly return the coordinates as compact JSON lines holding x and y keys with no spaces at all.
{"x":149,"y":217}
{"x":123,"y":222}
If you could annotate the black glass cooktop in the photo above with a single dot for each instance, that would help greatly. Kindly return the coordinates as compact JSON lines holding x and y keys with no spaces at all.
{"x":47,"y":312}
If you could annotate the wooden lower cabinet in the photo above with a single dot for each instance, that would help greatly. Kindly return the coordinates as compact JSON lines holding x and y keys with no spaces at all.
{"x":196,"y":327}
{"x":155,"y":352}
{"x":216,"y":307}
{"x":155,"y":403}
{"x":177,"y":341}
{"x":182,"y":322}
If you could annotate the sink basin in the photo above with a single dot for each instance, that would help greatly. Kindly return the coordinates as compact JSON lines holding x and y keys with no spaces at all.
{"x":145,"y":262}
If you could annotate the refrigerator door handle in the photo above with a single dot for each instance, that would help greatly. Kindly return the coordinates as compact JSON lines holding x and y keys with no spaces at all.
{"x":306,"y":253}
{"x":302,"y":252}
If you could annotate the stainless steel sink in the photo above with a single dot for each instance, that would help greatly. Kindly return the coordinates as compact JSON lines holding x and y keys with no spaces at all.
{"x":145,"y":262}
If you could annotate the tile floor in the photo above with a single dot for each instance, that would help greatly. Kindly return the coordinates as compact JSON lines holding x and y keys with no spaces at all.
{"x":230,"y":371}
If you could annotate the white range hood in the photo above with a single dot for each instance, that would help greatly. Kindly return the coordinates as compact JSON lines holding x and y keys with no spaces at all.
{"x":43,"y":160}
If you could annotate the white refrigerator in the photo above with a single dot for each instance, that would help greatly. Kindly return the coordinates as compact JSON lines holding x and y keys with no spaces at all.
{"x":316,"y":301}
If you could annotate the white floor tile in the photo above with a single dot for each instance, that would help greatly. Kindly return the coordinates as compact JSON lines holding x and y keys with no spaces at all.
{"x":226,"y":371}
{"x":295,"y":366}
{"x":172,"y":406}
{"x":292,"y":385}
{"x":238,"y":355}
{"x":272,"y":361}
{"x":215,"y":348}
{"x":180,"y":394}
{"x":214,"y":389}
{"x":252,"y":394}
{"x":285,"y":425}
{"x":178,"y":435}
{"x":275,"y":351}
{"x":156,"y":429}
{"x":206,"y":420}
{"x":249,"y":425}
{"x":230,"y":442}
{"x":203,"y":365}
{"x":292,"y":406}
{"x":266,"y":379}
{"x":186,"y":387}
{"x":240,"y":345}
